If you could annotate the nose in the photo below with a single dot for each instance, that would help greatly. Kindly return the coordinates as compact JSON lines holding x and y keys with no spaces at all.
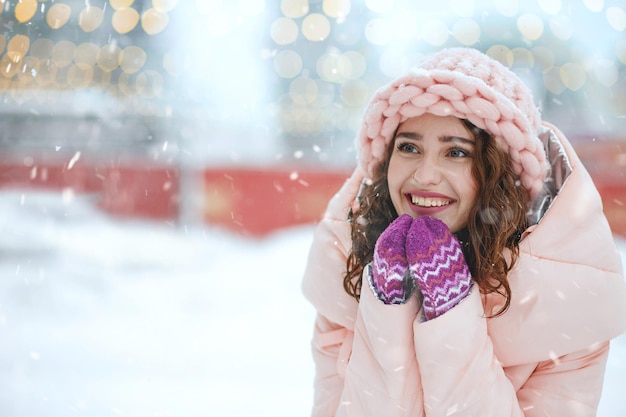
{"x":427,"y":172}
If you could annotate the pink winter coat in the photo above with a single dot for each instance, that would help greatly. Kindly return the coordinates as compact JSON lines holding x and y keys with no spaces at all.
{"x":545,"y":356}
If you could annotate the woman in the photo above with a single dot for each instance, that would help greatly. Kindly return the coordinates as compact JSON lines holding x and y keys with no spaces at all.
{"x":466,"y":267}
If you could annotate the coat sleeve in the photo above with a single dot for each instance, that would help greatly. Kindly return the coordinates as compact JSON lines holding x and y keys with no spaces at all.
{"x":322,"y":285}
{"x":336,"y":312}
{"x":570,"y":385}
{"x":328,"y":345}
{"x":462,"y":377}
{"x":382,"y":377}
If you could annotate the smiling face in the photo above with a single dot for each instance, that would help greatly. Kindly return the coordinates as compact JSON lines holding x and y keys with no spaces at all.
{"x":430,"y":170}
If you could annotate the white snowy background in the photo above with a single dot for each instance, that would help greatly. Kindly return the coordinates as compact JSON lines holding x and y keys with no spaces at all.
{"x":108,"y":317}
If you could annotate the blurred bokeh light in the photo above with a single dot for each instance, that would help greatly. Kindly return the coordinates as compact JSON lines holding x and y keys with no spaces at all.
{"x":292,"y":75}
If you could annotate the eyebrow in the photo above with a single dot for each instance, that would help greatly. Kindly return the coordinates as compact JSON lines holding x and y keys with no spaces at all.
{"x":442,"y":138}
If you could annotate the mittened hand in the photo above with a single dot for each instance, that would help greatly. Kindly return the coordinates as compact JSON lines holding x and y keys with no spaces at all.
{"x":389,"y":270}
{"x":437,"y":264}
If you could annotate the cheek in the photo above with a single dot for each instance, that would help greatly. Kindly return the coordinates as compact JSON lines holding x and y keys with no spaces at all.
{"x":395,"y":180}
{"x":398,"y":172}
{"x":469,"y":186}
{"x":462,"y":177}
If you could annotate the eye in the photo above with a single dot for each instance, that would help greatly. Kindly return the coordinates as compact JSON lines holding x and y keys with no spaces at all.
{"x":407,"y":147}
{"x":459,"y":153}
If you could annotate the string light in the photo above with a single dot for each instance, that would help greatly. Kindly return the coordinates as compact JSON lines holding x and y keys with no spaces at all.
{"x":318,"y":54}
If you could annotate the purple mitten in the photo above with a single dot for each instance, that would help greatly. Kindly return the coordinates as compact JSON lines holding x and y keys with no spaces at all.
{"x":388,"y":274}
{"x":438,"y":266}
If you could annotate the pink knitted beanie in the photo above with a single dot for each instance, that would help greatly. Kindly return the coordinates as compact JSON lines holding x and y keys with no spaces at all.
{"x":468,"y":84}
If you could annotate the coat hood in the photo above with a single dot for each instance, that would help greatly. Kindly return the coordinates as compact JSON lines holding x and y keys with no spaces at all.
{"x":568,"y":289}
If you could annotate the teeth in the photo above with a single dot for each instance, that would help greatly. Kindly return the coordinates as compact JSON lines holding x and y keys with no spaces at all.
{"x":429,"y":202}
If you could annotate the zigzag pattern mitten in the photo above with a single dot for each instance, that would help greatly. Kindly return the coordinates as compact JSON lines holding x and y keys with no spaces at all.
{"x":437,"y":264}
{"x":388,"y":274}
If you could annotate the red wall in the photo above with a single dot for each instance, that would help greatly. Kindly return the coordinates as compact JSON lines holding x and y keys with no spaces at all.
{"x":257,"y":201}
{"x":606,"y":163}
{"x":138,"y":189}
{"x":254,"y":201}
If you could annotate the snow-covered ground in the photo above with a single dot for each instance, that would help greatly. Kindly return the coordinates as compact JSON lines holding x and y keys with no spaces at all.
{"x":109,"y":317}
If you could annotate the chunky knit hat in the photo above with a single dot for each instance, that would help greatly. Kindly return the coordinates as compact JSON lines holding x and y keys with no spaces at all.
{"x":468,"y":84}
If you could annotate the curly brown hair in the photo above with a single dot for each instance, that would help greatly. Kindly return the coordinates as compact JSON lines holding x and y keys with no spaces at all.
{"x":496,"y":221}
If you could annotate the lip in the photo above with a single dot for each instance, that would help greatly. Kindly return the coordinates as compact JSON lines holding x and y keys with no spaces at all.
{"x":427,"y":211}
